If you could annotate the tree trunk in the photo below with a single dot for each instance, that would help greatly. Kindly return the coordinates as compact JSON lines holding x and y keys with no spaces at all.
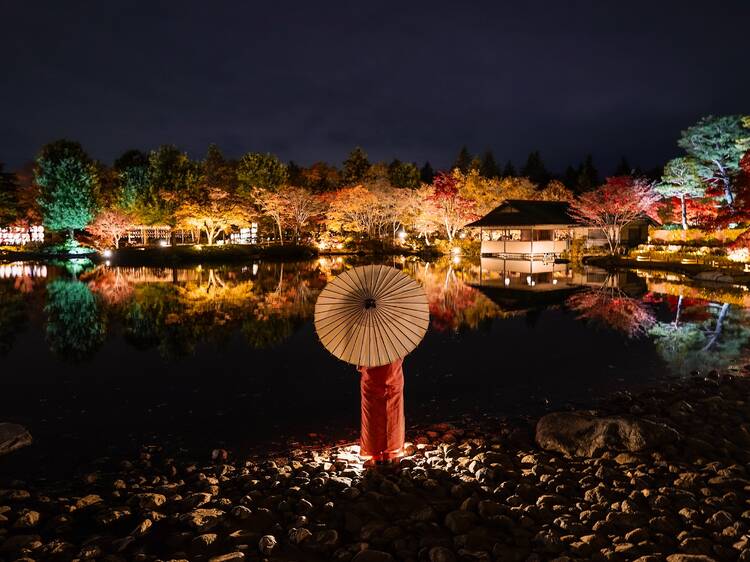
{"x":719,"y":326}
{"x":71,"y":235}
{"x":724,"y":176}
{"x":281,"y":234}
{"x":683,"y":205}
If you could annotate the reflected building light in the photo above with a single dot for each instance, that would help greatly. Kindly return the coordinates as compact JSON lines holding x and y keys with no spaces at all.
{"x":528,"y":279}
{"x":255,"y":269}
{"x":20,"y":236}
{"x":554,"y":281}
{"x":163,"y":243}
{"x":20,"y":269}
{"x":107,"y":263}
{"x":507,"y":281}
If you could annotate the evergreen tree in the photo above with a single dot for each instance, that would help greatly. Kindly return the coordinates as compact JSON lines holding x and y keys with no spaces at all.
{"x":294,"y":174}
{"x":683,"y":179}
{"x":426,"y":174}
{"x":534,"y":169}
{"x":463,"y":160}
{"x":67,"y":180}
{"x":588,"y":176}
{"x":356,"y":166}
{"x":570,"y":177}
{"x":8,"y":197}
{"x":510,"y":170}
{"x":217,"y":171}
{"x":489,"y":168}
{"x":173,"y":179}
{"x":264,"y":171}
{"x":403,"y":174}
{"x":624,"y":168}
{"x":132,"y":176}
{"x":718,"y":143}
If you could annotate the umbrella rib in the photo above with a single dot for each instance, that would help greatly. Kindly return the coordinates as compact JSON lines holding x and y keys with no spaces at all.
{"x":332,"y":332}
{"x":350,"y":284}
{"x":341,"y":334}
{"x":383,"y":347}
{"x":383,"y":282}
{"x":383,"y":333}
{"x":398,"y":324}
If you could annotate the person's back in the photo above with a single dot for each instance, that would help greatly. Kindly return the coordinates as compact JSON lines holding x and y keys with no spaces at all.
{"x":383,"y":422}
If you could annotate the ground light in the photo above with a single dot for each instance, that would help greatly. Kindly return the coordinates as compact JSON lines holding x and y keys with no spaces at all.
{"x":107,"y":253}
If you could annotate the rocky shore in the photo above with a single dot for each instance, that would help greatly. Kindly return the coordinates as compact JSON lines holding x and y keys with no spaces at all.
{"x":658,"y":475}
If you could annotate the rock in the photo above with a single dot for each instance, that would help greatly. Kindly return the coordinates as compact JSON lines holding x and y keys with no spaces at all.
{"x":583,"y":435}
{"x":689,"y":558}
{"x":202,"y":542}
{"x":460,"y":522}
{"x":372,"y":556}
{"x":27,"y":520}
{"x":88,"y":501}
{"x":231,"y":557}
{"x":13,"y":437}
{"x":203,"y":519}
{"x":298,"y":535}
{"x":441,"y":554}
{"x":266,"y":544}
{"x":150,"y":501}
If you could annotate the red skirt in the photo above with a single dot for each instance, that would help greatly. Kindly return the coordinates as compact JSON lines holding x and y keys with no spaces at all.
{"x":383,"y":422}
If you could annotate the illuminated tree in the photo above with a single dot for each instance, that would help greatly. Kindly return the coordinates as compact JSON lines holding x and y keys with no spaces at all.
{"x":173,"y":178}
{"x":67,"y":180}
{"x":321,"y":177}
{"x":403,"y":174}
{"x":261,"y":171}
{"x":614,"y":205}
{"x":75,"y":325}
{"x":555,"y":190}
{"x":110,"y":284}
{"x":273,"y":205}
{"x":354,"y":209}
{"x":356,"y":166}
{"x":132,"y":173}
{"x":111,"y":225}
{"x":682,"y":178}
{"x":718,"y":143}
{"x":452,"y":209}
{"x":301,"y":205}
{"x":217,"y":171}
{"x":216,"y":213}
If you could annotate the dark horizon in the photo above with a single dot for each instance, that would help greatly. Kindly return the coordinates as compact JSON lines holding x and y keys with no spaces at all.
{"x":412,"y":82}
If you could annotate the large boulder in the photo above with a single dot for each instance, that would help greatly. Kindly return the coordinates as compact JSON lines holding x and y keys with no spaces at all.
{"x":12,"y":437}
{"x":583,"y":435}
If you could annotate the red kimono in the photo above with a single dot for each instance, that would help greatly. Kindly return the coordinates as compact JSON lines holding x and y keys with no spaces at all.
{"x":383,"y":422}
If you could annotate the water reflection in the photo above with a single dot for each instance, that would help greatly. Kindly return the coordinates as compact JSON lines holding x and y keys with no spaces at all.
{"x":177,"y":310}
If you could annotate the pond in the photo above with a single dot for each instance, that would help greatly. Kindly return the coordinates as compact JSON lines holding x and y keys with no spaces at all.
{"x":97,"y":361}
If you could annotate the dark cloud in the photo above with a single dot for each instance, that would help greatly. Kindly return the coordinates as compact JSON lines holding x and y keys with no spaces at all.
{"x":415,"y":80}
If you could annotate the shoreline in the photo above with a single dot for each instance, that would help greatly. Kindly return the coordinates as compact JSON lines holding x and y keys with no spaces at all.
{"x":480,"y":490}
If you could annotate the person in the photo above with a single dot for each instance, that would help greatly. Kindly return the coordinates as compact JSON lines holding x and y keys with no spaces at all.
{"x":383,"y":422}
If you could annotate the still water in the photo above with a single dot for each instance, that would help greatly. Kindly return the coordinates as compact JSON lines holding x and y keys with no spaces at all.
{"x":97,"y":361}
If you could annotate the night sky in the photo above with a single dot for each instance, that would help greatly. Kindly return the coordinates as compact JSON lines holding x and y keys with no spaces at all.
{"x":413,"y":80}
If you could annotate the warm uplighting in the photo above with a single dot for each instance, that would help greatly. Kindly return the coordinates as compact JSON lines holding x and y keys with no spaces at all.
{"x":339,"y":246}
{"x":455,"y":250}
{"x":163,"y":243}
{"x":507,"y":281}
{"x":107,"y":253}
{"x":739,"y":255}
{"x":402,"y":235}
{"x":554,"y":281}
{"x":456,"y":259}
{"x":198,"y":247}
{"x":322,"y":245}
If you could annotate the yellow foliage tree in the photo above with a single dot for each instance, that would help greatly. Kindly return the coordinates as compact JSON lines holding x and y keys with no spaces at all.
{"x":217,"y":213}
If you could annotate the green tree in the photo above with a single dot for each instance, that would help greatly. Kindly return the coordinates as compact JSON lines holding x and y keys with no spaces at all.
{"x":133,"y":181}
{"x":67,"y":180}
{"x":426,"y":173}
{"x":683,"y":178}
{"x":356,"y":166}
{"x":463,"y":160}
{"x":489,"y":168}
{"x":75,"y":323}
{"x":173,"y":179}
{"x":403,"y":174}
{"x":718,"y":143}
{"x":217,"y":171}
{"x":264,"y":171}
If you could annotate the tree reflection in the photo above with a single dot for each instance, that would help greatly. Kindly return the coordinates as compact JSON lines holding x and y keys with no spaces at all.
{"x":610,"y":307}
{"x":454,"y":305}
{"x":75,"y":323}
{"x":13,"y":316}
{"x":701,"y":336}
